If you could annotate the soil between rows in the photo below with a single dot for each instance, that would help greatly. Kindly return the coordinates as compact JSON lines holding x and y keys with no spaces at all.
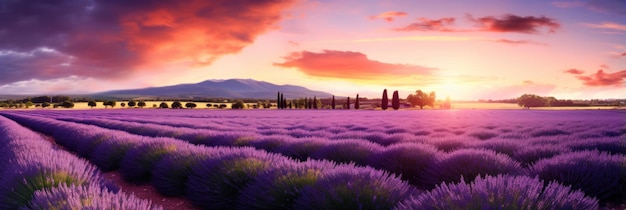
{"x":143,"y":191}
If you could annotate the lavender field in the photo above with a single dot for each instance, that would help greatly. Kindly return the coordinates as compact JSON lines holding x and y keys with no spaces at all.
{"x":316,"y":159}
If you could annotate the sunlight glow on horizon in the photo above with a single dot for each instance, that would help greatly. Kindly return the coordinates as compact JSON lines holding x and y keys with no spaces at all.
{"x":461,"y":49}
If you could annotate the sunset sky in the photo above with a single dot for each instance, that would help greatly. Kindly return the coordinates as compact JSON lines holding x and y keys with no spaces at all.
{"x":469,"y":50}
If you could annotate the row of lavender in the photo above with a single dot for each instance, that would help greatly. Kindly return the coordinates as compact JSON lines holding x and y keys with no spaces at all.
{"x":572,"y":162}
{"x":246,"y":178}
{"x":516,"y":124}
{"x":303,"y":145}
{"x":223,"y":178}
{"x":36,"y":175}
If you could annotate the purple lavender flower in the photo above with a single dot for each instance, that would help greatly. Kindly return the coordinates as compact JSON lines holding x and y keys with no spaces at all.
{"x":217,"y":182}
{"x":354,"y":188}
{"x":598,"y":174}
{"x":501,"y":192}
{"x":408,"y":160}
{"x":468,"y":163}
{"x":279,"y":187}
{"x":346,"y":151}
{"x":86,"y":197}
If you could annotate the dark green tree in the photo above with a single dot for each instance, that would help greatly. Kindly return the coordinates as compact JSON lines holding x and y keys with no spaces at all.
{"x":420,"y":99}
{"x":239,"y":105}
{"x":348,"y":103}
{"x":385,"y":101}
{"x":141,"y":104}
{"x":91,"y":104}
{"x":395,"y":101}
{"x":45,"y":104}
{"x":278,"y":102}
{"x":177,"y":105}
{"x":122,"y":104}
{"x":132,"y":103}
{"x":333,"y":103}
{"x":531,"y":100}
{"x":356,"y":102}
{"x":282,"y":101}
{"x":110,"y":103}
{"x":314,"y":102}
{"x":67,"y":104}
{"x":163,"y":105}
{"x":190,"y":105}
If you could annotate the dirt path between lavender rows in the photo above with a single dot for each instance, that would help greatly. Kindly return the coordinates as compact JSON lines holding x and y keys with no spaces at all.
{"x":144,"y":191}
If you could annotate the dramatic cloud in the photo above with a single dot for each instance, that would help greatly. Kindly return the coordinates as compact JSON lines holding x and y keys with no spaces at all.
{"x":42,"y":39}
{"x":389,"y":16}
{"x":425,"y":24}
{"x":574,"y":71}
{"x":506,"y":23}
{"x":608,"y":26}
{"x":514,"y":23}
{"x":600,"y":78}
{"x":349,"y":65}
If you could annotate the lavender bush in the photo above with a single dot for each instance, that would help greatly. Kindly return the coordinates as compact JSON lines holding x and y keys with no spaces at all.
{"x":346,"y":151}
{"x":598,"y":174}
{"x":501,"y":192}
{"x":409,"y":160}
{"x":86,"y":197}
{"x":354,"y":188}
{"x":216,"y":183}
{"x":279,"y":187}
{"x":468,"y":163}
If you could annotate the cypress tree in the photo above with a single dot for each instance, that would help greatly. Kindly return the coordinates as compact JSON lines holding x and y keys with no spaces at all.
{"x":356,"y":103}
{"x":395,"y":101}
{"x":333,"y":102}
{"x":306,"y":103}
{"x":278,"y":100}
{"x":282,"y":101}
{"x":385,"y":100}
{"x":314,"y":102}
{"x":348,"y":103}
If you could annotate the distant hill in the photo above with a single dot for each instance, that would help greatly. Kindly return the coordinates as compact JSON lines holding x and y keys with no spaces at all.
{"x":231,"y":88}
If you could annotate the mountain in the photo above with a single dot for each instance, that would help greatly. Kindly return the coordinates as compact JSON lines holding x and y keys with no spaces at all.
{"x":231,"y":88}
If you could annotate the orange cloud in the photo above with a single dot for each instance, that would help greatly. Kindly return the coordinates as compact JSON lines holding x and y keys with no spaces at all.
{"x":113,"y":38}
{"x":347,"y":64}
{"x":600,"y":78}
{"x":389,"y":16}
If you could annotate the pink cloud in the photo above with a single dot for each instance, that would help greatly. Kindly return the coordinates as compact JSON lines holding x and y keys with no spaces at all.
{"x":517,"y":42}
{"x":514,"y":23}
{"x":607,"y":25}
{"x":348,"y":65}
{"x":389,"y":16}
{"x":506,"y":23}
{"x":425,"y":24}
{"x":574,"y":71}
{"x":601,"y":78}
